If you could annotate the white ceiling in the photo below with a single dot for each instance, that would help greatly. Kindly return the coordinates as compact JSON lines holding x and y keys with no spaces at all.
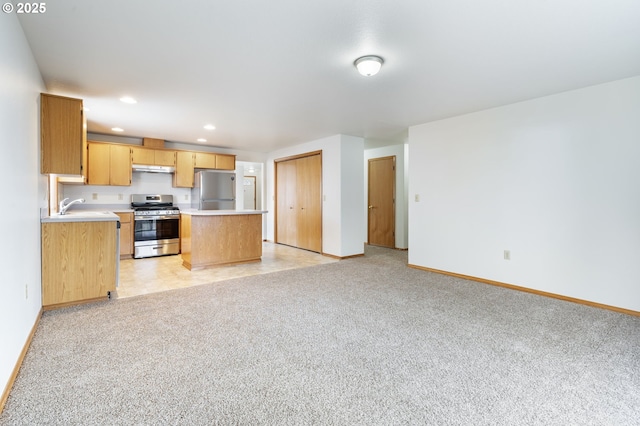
{"x":269,"y":74}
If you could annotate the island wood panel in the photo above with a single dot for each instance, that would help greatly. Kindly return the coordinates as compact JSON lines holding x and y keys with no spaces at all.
{"x":220,"y":239}
{"x":185,"y":239}
{"x":78,"y":261}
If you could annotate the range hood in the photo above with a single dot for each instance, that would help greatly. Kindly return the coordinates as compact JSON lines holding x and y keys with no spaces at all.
{"x":152,"y":169}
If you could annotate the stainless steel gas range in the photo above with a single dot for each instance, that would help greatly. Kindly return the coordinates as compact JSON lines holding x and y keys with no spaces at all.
{"x":156,"y":225}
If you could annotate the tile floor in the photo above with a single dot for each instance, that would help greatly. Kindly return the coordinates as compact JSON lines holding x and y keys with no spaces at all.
{"x":151,"y":275}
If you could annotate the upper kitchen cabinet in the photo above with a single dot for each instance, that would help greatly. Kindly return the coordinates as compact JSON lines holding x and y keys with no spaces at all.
{"x":205,"y":160}
{"x":183,"y":176}
{"x":225,"y":162}
{"x":154,"y":157}
{"x":63,"y":135}
{"x":108,"y":164}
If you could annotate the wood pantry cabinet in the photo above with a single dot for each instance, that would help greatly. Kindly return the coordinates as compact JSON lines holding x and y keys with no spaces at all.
{"x":299,"y":202}
{"x":63,"y":135}
{"x":78,"y":262}
{"x":108,"y":164}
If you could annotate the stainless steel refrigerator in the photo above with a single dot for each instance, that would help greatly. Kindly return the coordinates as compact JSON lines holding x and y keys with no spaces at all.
{"x":214,"y":190}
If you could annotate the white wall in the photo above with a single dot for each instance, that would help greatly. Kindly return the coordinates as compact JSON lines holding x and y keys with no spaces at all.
{"x":555,"y":180}
{"x":401,"y":190}
{"x":24,"y":191}
{"x":141,"y":183}
{"x":341,"y":184}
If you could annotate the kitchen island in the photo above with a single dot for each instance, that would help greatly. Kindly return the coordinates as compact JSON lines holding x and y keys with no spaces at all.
{"x":220,"y":237}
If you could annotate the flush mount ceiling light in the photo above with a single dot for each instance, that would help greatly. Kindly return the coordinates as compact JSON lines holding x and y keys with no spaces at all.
{"x":117,"y":129}
{"x":210,"y":127}
{"x":368,"y":65}
{"x":201,"y":140}
{"x":128,"y":100}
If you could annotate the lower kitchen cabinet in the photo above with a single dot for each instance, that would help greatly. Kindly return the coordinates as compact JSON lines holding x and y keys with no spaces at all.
{"x":126,"y":235}
{"x":79,"y":262}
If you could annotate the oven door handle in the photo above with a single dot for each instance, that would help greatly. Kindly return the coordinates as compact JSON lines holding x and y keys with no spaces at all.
{"x":155,"y":217}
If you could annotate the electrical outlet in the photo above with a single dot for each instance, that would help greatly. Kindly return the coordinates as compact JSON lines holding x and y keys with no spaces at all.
{"x":94,"y":196}
{"x":120,"y":197}
{"x":507,"y":255}
{"x":417,"y":198}
{"x":186,"y":197}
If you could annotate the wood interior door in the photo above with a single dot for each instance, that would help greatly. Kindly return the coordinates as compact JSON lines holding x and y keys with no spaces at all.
{"x":309,"y":196}
{"x":382,"y":183}
{"x":299,"y":202}
{"x":286,"y":211}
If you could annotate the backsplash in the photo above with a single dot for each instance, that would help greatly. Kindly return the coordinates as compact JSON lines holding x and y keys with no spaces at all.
{"x":141,"y":183}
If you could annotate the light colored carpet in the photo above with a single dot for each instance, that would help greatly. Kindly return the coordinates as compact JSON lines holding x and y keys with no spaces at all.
{"x":365,"y":341}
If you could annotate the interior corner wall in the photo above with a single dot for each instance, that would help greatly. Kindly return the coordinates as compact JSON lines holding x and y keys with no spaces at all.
{"x":401,"y":214}
{"x":554,"y":180}
{"x":351,"y":194}
{"x":334,"y":238}
{"x":23,"y":187}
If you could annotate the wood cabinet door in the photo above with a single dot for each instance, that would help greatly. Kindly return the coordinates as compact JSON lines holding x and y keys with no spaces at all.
{"x":309,"y":196}
{"x":286,"y":207}
{"x":183,"y":176}
{"x":126,"y":234}
{"x":120,"y":170}
{"x":78,"y":261}
{"x":165,"y":158}
{"x":299,"y":202}
{"x":142,"y":155}
{"x":205,"y":160}
{"x":98,"y":163}
{"x":61,"y":135}
{"x":225,"y":162}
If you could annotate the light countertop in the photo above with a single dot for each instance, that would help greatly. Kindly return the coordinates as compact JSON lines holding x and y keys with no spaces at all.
{"x":81,"y":216}
{"x":196,"y":212}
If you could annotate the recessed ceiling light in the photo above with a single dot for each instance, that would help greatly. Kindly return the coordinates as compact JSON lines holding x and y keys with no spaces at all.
{"x":128,"y":100}
{"x":202,"y":140}
{"x":210,"y":127}
{"x":117,"y":129}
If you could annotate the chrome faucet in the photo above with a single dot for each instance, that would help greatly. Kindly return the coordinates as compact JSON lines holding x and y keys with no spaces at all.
{"x":63,"y":208}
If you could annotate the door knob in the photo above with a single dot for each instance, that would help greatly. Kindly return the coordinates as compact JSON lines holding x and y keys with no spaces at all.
{"x":370,"y":207}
